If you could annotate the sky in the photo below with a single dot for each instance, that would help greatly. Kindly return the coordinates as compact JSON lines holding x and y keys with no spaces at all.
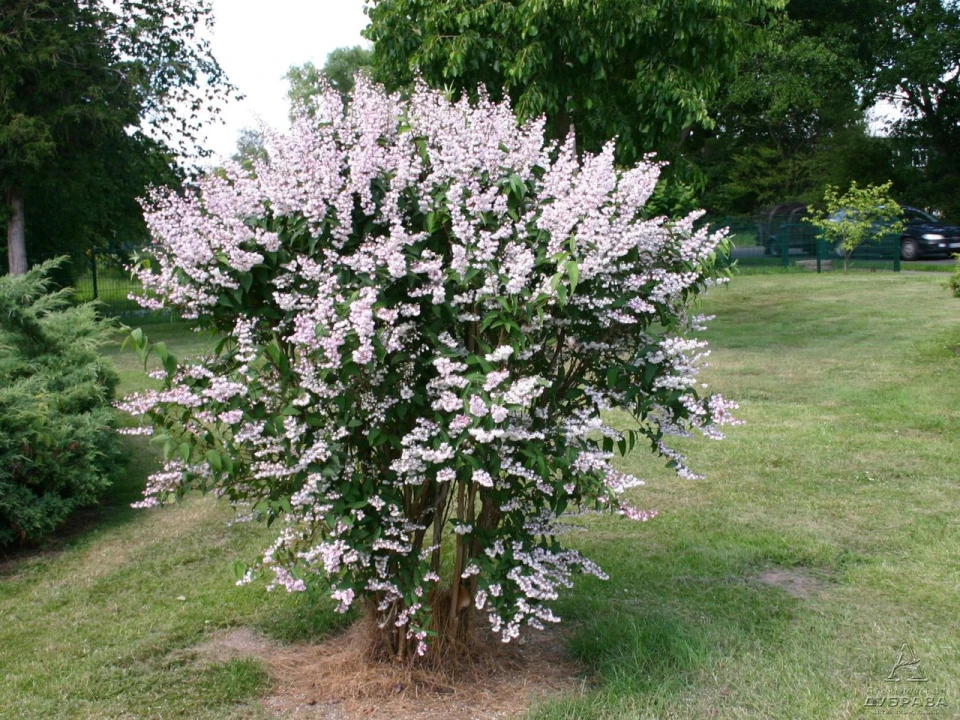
{"x":256,"y":42}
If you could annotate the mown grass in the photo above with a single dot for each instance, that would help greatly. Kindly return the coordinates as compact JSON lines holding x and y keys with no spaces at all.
{"x":766,"y":265}
{"x":110,"y":620}
{"x":844,"y":478}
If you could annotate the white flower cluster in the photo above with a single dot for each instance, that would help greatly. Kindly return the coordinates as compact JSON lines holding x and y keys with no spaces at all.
{"x":424,"y":310}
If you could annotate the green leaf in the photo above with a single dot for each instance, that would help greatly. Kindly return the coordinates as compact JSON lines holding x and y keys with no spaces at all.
{"x":562,"y":295}
{"x":573,"y":272}
{"x":273,"y":351}
{"x":214,"y":459}
{"x":612,"y":374}
{"x":239,"y":569}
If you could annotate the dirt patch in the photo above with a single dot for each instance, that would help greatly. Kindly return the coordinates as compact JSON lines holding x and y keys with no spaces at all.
{"x":238,"y":643}
{"x":338,"y":679}
{"x":799,"y":583}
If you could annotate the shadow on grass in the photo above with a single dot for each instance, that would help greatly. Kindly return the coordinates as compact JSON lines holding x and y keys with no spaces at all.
{"x":649,"y":645}
{"x":307,"y":618}
{"x":88,"y":524}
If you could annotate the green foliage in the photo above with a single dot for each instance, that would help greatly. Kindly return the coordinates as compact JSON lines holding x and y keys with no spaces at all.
{"x":80,"y":83}
{"x":57,"y":438}
{"x":857,"y":216}
{"x":676,"y":196}
{"x":778,"y":120}
{"x":639,"y":71}
{"x":796,"y":117}
{"x":250,"y":148}
{"x":339,"y":70}
{"x":954,"y":282}
{"x":918,"y":52}
{"x":89,"y":200}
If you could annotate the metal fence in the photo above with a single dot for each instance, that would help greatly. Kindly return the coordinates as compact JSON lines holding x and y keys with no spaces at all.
{"x":100,"y":275}
{"x":759,"y":241}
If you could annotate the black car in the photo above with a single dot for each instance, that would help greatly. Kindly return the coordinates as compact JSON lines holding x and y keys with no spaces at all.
{"x":922,"y":236}
{"x":925,"y":236}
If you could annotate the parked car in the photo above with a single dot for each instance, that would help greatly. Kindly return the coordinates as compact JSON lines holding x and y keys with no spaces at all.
{"x":922,"y":236}
{"x":925,"y":236}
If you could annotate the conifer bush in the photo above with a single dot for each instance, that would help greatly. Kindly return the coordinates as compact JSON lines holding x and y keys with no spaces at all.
{"x":58,"y":443}
{"x":425,"y":310}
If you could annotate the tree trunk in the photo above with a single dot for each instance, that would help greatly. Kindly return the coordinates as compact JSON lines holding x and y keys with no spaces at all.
{"x":16,"y":242}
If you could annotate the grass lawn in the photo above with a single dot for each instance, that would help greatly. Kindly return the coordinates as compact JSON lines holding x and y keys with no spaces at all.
{"x":826,"y":535}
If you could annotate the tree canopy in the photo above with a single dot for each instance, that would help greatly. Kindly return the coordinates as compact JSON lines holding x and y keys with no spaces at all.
{"x":918,"y":69}
{"x":792,"y":103}
{"x":640,"y":71}
{"x":797,"y":116}
{"x":340,"y":69}
{"x":93,"y":96}
{"x":754,"y":102}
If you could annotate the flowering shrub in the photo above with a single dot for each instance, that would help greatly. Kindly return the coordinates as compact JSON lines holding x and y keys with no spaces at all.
{"x":424,"y":310}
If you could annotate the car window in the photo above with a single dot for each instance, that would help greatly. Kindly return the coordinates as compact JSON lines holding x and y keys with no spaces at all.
{"x":916,"y":217}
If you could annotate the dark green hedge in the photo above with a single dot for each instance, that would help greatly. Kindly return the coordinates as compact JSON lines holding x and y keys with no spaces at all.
{"x":58,"y":440}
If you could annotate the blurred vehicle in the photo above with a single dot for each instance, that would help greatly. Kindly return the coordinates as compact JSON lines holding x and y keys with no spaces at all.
{"x":922,"y":236}
{"x":925,"y":236}
{"x":784,"y":223}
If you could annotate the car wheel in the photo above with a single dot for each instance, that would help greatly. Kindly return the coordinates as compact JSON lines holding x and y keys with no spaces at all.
{"x":909,"y":250}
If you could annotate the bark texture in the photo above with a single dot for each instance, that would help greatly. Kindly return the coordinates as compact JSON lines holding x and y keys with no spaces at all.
{"x":16,"y":241}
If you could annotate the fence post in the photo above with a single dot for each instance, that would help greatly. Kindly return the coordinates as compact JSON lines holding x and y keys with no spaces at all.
{"x":896,"y":253}
{"x":93,"y":272}
{"x":784,"y":247}
{"x":820,"y":253}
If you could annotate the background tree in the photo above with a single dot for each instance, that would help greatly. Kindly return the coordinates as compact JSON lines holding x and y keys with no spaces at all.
{"x":640,"y":71}
{"x":339,"y":70}
{"x":796,"y":117}
{"x":250,"y":148}
{"x":782,"y":120}
{"x":918,"y":69}
{"x":80,"y":84}
{"x":859,"y":215}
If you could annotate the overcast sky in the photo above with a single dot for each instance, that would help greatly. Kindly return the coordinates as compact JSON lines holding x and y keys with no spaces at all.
{"x":256,"y":42}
